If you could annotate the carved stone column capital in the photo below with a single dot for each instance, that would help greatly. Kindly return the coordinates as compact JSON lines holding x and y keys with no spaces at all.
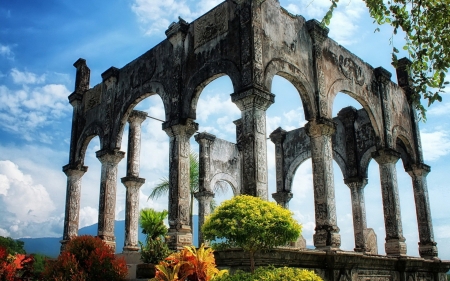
{"x":253,"y":98}
{"x":137,"y":117}
{"x":386,"y":155}
{"x":320,"y":127}
{"x":282,"y":198}
{"x":278,"y":135}
{"x":109,"y":156}
{"x":418,"y":170}
{"x":178,"y":128}
{"x":204,"y":136}
{"x":132,"y":182}
{"x":74,"y":172}
{"x":204,"y":196}
{"x":356,"y":183}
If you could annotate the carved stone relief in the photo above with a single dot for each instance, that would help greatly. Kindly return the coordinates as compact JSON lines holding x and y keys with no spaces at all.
{"x":210,"y":25}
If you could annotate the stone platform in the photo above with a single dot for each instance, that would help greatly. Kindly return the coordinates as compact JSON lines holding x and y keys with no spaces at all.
{"x":341,"y":265}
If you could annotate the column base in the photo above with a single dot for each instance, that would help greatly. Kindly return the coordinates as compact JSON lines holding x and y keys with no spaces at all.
{"x":130,"y":249}
{"x":428,"y":251}
{"x":109,"y":240}
{"x":63,"y":245}
{"x":179,"y":238}
{"x":327,"y":239}
{"x":395,"y":247}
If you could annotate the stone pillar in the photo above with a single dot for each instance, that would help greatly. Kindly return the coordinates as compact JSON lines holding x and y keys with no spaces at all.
{"x":356,"y":186}
{"x":204,"y":199}
{"x":108,"y":187}
{"x":327,"y":232}
{"x":283,"y":194}
{"x":253,"y":104}
{"x":180,"y":232}
{"x":132,"y":181}
{"x":73,"y":195}
{"x":427,"y":245}
{"x":395,"y":242}
{"x":205,"y":194}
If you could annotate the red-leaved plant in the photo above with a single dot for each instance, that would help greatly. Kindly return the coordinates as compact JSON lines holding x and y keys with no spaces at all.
{"x":86,"y":258}
{"x":14,"y":267}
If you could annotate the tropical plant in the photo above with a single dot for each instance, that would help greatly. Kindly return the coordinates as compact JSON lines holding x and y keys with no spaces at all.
{"x":270,"y":273}
{"x":252,"y":224}
{"x":15,"y":267}
{"x":162,"y":188}
{"x":426,"y":25}
{"x":155,"y":248}
{"x":86,"y":258}
{"x":189,"y":264}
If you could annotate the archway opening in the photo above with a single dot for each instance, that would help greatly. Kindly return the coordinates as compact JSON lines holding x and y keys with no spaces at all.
{"x":90,"y":190}
{"x":215,"y":113}
{"x":153,"y":167}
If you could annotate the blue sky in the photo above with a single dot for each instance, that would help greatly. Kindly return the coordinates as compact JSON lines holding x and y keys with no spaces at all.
{"x":39,"y":42}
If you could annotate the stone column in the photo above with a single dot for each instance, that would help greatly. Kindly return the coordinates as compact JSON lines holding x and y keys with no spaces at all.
{"x":205,"y":194}
{"x":327,"y":232}
{"x":283,"y":194}
{"x":132,"y":181}
{"x":204,"y":199}
{"x":108,"y":187}
{"x":253,"y":104}
{"x":180,"y":232}
{"x":395,"y":242}
{"x":73,"y":195}
{"x":356,"y":186}
{"x":427,"y":245}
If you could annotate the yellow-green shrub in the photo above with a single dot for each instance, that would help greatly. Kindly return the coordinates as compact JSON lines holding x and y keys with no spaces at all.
{"x":271,"y":273}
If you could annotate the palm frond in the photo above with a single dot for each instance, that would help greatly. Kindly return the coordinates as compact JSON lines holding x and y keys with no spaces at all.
{"x":221,"y":187}
{"x":160,"y":189}
{"x":193,"y":171}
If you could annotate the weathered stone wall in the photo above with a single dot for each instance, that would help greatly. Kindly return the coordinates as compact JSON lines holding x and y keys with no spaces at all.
{"x":251,"y":41}
{"x":340,"y":266}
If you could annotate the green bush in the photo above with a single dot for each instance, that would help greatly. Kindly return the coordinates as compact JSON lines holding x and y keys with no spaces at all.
{"x":270,"y":273}
{"x":252,"y":224}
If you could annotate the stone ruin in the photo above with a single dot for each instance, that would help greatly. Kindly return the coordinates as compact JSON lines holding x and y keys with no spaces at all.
{"x":251,"y":41}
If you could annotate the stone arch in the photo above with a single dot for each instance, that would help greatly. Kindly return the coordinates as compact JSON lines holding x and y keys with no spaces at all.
{"x":229,"y":179}
{"x":145,"y":91}
{"x":403,"y":145}
{"x":205,"y":75}
{"x":302,"y":157}
{"x":341,"y":162}
{"x":345,"y":86}
{"x":93,"y":130}
{"x":365,"y":161}
{"x":294,"y":75}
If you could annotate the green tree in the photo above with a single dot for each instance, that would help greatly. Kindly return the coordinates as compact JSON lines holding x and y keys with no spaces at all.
{"x":12,"y":246}
{"x":426,"y":24}
{"x":155,"y":248}
{"x":252,"y":224}
{"x":162,"y":188}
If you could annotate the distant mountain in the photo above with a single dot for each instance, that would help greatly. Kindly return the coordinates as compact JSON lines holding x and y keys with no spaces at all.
{"x":50,"y":246}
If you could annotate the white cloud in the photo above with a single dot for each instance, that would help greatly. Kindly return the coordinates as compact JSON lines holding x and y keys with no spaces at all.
{"x":6,"y":51}
{"x":343,"y":25}
{"x":29,"y":202}
{"x":4,"y":232}
{"x":217,"y":104}
{"x":435,"y":144}
{"x":155,"y":16}
{"x":25,"y":109}
{"x":88,"y":216}
{"x":26,"y":77}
